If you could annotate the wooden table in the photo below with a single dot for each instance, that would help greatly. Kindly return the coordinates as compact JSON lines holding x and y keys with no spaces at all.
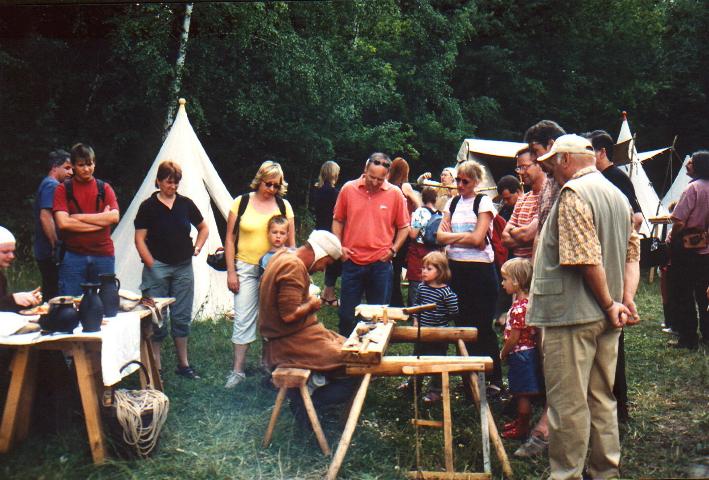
{"x":87,"y":360}
{"x":365,"y":350}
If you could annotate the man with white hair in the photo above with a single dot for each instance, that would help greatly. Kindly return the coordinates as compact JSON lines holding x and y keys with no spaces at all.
{"x":588,"y":252}
{"x":292,"y":335}
{"x":15,"y":301}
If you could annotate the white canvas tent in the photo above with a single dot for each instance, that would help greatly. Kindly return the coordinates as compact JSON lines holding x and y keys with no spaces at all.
{"x":678,"y":185}
{"x":647,"y":197}
{"x":201,"y":183}
{"x":473,"y":147}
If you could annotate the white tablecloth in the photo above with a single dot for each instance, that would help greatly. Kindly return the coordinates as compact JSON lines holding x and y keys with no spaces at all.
{"x":120,"y":338}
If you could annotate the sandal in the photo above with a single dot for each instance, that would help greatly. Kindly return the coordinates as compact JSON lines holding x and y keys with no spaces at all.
{"x":333,"y":302}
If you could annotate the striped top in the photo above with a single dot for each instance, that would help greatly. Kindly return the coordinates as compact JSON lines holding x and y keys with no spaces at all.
{"x":446,"y":309}
{"x":526,"y":210}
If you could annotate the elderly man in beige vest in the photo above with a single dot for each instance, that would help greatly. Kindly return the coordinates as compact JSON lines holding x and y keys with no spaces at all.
{"x":587,"y":252}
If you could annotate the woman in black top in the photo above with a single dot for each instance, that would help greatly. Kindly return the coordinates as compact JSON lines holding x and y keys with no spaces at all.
{"x":323,"y":199}
{"x":162,"y":237}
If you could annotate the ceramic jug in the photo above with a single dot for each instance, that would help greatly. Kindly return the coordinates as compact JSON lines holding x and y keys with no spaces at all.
{"x":91,"y":308}
{"x":109,"y":293}
{"x":62,"y":316}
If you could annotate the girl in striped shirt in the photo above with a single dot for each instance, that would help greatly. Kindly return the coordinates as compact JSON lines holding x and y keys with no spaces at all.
{"x":434,"y":288}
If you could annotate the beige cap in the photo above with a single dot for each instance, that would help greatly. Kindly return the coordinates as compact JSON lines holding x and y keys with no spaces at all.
{"x":325,"y":244}
{"x":569,"y":144}
{"x":6,"y":236}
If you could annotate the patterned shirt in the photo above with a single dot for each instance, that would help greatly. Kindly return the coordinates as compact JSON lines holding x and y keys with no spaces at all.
{"x":465,"y":220}
{"x":526,"y":210}
{"x":578,"y":242}
{"x":446,"y":305}
{"x":547,"y":197}
{"x":516,"y":321}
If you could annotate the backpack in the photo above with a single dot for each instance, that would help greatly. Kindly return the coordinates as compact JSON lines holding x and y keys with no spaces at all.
{"x":431,"y":228}
{"x":217,"y":260}
{"x":69,"y":188}
{"x":498,"y":225}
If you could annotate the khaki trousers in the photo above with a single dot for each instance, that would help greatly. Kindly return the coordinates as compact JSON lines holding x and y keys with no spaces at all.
{"x":579,"y":370}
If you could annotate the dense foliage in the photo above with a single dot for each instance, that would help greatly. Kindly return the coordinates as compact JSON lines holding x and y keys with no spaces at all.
{"x":303,"y":82}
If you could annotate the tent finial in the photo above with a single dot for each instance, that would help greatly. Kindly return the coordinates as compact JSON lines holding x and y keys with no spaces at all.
{"x":625,"y":115}
{"x":182,"y":101}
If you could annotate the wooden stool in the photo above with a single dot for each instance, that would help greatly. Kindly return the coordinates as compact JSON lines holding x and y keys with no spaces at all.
{"x":285,"y":378}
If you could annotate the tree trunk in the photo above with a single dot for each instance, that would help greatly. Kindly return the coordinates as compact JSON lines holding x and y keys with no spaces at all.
{"x":179,"y":68}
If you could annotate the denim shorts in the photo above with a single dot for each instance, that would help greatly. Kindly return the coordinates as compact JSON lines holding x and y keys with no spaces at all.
{"x":524,"y":373}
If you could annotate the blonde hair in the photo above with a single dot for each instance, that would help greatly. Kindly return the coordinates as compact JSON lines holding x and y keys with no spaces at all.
{"x":471,"y":169}
{"x":328,"y":174}
{"x":278,"y":220}
{"x":519,"y":270}
{"x":269,"y":168}
{"x":439,"y":261}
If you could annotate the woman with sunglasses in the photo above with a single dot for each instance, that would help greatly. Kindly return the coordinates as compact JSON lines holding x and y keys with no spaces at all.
{"x":471,"y":259}
{"x":246,"y":246}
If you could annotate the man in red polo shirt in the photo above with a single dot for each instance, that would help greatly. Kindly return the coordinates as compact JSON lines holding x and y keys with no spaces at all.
{"x":84,"y":210}
{"x":369,"y":213}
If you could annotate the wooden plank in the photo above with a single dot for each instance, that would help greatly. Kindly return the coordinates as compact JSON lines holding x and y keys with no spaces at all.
{"x":447,"y":476}
{"x":447,"y":422}
{"x":434,"y":334}
{"x":376,"y":312}
{"x":23,"y":374}
{"x":455,"y":368}
{"x":427,"y":423}
{"x":492,"y":427}
{"x":349,"y":429}
{"x":393,"y":365}
{"x":368,"y":348}
{"x":290,"y":377}
{"x":89,"y":401}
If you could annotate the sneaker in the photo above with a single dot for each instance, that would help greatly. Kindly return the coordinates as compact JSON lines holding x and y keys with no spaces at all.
{"x":233,"y":379}
{"x":532,"y":447}
{"x":187,"y":372}
{"x":670,"y":331}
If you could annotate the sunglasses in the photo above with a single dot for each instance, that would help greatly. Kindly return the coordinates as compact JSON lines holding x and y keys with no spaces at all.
{"x":382,"y":163}
{"x":272,"y":184}
{"x":523,"y":168}
{"x":464,"y":181}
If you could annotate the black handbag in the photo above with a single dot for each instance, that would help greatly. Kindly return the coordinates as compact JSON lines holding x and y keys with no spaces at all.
{"x":217,"y":260}
{"x":653,"y":252}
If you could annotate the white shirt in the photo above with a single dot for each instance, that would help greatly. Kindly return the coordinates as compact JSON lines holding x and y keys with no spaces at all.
{"x":465,"y":220}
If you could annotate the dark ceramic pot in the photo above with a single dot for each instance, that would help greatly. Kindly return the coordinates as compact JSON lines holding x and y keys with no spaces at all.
{"x":109,"y":293}
{"x":62,"y":316}
{"x":91,"y":308}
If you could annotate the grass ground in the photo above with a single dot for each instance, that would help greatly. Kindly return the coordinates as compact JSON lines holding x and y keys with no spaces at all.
{"x":215,"y":433}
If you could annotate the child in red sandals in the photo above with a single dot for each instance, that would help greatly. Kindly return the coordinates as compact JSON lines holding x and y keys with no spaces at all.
{"x":520,"y":349}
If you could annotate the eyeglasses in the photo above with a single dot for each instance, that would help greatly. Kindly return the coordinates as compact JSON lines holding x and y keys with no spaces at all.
{"x":382,"y":163}
{"x":272,"y":184}
{"x":464,"y":181}
{"x":522,"y":168}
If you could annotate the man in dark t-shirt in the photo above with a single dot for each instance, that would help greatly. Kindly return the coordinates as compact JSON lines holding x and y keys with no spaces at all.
{"x":45,"y":233}
{"x":603,"y":149}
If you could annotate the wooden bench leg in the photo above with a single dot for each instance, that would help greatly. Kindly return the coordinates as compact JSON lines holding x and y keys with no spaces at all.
{"x":313,"y":416}
{"x":447,"y":422}
{"x":274,"y":416}
{"x":18,"y":404}
{"x":349,"y":428}
{"x":89,"y":402}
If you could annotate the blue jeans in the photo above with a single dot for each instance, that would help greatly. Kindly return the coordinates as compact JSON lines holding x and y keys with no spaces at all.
{"x":373,"y":280}
{"x":165,"y":280}
{"x":77,"y":269}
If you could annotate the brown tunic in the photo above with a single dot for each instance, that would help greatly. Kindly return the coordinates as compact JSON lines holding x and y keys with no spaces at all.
{"x":304,"y":342}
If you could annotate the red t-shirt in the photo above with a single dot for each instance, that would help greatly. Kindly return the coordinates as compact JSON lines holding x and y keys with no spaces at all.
{"x":516,"y":320}
{"x":371,"y":219}
{"x":90,"y":243}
